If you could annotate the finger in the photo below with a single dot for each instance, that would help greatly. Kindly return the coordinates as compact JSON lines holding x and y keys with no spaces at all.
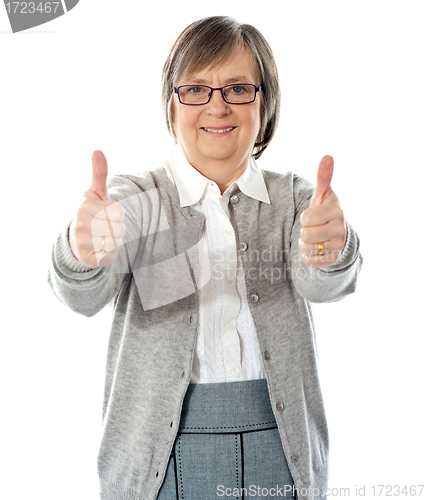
{"x":103,"y":259}
{"x":104,"y":228}
{"x":99,"y":175}
{"x":106,"y":244}
{"x":324,"y":175}
{"x":318,"y":234}
{"x":106,"y":210}
{"x":317,"y":216}
{"x":312,"y":249}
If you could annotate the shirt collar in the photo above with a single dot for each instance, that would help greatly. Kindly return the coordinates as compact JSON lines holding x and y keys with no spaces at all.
{"x":191,"y":184}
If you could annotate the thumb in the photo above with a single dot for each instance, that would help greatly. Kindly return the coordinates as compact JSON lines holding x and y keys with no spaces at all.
{"x":323,"y":187}
{"x":99,"y":175}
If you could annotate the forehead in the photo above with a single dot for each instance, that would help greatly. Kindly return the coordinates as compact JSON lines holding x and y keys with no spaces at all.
{"x":239,"y":67}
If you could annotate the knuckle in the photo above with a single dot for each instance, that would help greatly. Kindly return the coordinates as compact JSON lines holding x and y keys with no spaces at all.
{"x":79,"y":226}
{"x":119,"y":230}
{"x":341,"y":232}
{"x":115,"y":211}
{"x":337,"y":212}
{"x":120,"y":210}
{"x":304,"y":218}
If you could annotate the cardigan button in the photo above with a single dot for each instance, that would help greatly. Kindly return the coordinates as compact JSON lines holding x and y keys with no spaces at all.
{"x":266,"y":356}
{"x":294,"y":458}
{"x":243,"y":247}
{"x":254,"y":298}
{"x":280,"y":406}
{"x":234,"y":199}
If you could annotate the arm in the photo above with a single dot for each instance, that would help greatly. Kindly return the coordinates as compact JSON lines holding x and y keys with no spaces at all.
{"x":319,"y":218}
{"x":81,"y":275}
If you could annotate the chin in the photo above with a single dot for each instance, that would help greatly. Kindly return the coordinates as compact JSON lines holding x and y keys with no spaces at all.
{"x":218,"y":154}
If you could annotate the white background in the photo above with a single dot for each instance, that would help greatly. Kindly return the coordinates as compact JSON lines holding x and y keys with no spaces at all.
{"x":353,"y":83}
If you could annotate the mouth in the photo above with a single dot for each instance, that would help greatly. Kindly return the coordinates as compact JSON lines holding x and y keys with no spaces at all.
{"x":218,"y":130}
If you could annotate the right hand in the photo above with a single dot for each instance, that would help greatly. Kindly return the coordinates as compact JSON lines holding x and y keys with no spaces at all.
{"x":96,"y":232}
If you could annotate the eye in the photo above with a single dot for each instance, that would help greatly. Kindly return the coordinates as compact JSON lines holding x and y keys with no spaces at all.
{"x":239,"y":89}
{"x":194,"y":90}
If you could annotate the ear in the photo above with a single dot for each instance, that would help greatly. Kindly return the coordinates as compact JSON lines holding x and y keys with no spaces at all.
{"x":171,"y":118}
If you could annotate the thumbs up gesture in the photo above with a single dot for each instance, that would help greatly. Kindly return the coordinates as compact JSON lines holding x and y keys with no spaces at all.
{"x":96,"y":232}
{"x":323,"y":233}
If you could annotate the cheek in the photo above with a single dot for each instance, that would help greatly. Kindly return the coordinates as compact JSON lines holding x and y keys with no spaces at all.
{"x":252,"y":120}
{"x":185,"y":120}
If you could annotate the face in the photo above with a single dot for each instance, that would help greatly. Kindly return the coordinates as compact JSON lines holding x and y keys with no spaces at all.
{"x":217,"y":138}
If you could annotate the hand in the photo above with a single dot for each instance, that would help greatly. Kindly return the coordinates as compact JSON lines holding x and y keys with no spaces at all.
{"x":96,"y":232}
{"x":323,"y":221}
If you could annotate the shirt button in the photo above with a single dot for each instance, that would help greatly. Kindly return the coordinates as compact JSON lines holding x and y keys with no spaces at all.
{"x":243,"y":246}
{"x":234,"y":199}
{"x":280,"y":406}
{"x":227,"y":232}
{"x":235,"y":372}
{"x":254,"y":297}
{"x":229,"y":326}
{"x":266,"y":355}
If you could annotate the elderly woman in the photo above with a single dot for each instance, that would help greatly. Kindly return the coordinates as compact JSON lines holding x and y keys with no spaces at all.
{"x":210,"y":265}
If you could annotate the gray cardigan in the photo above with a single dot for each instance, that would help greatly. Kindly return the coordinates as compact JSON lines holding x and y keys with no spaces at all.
{"x":152,"y":341}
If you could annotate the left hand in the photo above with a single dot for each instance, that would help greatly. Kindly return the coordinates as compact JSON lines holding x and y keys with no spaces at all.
{"x":323,"y":221}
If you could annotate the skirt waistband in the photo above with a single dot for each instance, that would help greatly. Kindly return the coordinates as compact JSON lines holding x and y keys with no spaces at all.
{"x":227,"y":407}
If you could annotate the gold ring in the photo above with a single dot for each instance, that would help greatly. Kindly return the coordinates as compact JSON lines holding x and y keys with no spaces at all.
{"x":320,"y":249}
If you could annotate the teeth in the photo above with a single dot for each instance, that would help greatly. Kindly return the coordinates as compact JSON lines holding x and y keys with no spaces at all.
{"x":219,"y":131}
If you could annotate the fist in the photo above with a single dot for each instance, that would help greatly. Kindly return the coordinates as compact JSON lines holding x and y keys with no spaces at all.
{"x":97,"y":230}
{"x":323,"y":223}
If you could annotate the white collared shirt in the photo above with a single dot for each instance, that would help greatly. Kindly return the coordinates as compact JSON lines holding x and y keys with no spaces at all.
{"x":227,"y":346}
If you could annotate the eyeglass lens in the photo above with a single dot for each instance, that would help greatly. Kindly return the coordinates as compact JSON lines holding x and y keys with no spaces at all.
{"x":233,"y":94}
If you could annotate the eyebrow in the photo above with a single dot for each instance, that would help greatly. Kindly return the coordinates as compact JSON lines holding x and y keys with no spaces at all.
{"x":234,"y":79}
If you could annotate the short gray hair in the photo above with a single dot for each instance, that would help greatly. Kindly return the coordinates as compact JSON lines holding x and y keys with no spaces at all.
{"x":210,"y":42}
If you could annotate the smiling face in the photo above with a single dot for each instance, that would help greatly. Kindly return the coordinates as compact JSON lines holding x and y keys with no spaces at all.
{"x":217,"y":138}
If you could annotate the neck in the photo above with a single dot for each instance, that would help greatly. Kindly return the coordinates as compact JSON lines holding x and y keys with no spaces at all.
{"x":223,"y":177}
{"x":222,"y":172}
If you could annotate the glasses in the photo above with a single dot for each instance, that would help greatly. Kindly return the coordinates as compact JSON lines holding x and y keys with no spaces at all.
{"x":196,"y":95}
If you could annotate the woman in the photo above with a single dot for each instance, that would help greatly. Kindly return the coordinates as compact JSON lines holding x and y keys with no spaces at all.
{"x":211,"y":264}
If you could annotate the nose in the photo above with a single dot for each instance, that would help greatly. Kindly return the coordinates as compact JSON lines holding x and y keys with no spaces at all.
{"x":217,"y":106}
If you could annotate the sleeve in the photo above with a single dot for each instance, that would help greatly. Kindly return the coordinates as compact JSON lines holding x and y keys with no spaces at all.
{"x":86,"y":290}
{"x":328,"y":284}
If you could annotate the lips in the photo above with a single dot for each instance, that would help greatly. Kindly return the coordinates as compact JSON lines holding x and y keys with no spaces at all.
{"x":218,"y":130}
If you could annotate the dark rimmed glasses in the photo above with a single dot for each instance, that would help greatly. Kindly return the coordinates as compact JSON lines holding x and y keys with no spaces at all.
{"x":237,"y":93}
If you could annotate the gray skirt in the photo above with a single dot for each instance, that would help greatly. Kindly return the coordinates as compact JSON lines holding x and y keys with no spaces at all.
{"x":228,"y":446}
